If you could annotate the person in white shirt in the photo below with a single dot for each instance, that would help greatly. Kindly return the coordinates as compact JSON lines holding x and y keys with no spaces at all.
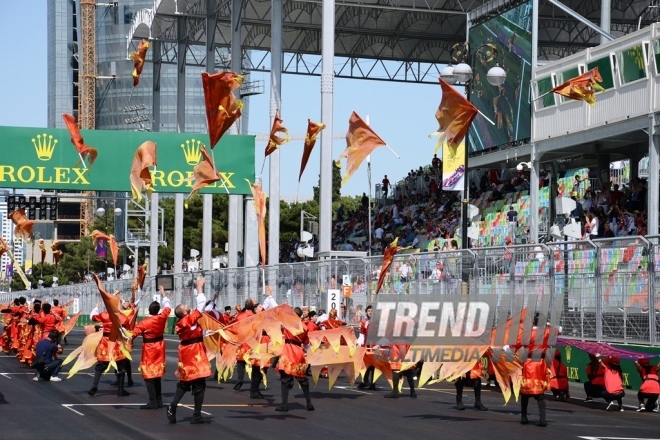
{"x":404,"y":272}
{"x":269,"y":301}
{"x":378,"y":233}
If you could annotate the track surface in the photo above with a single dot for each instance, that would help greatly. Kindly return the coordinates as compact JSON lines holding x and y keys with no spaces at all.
{"x":64,"y":410}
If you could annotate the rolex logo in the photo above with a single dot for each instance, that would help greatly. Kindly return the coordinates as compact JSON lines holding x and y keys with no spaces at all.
{"x":44,"y":144}
{"x":191,"y":151}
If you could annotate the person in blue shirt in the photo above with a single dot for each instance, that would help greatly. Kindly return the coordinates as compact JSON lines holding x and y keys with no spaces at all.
{"x":47,"y":364}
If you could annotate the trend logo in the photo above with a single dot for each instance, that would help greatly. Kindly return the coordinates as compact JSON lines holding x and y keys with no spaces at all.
{"x":44,"y":145}
{"x":191,"y":151}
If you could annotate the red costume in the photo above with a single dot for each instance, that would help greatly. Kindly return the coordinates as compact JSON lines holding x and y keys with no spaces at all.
{"x":292,"y":360}
{"x":48,"y":322}
{"x":102,"y":350}
{"x":559,"y":381}
{"x":152,"y":364}
{"x":62,"y":314}
{"x":193,"y":363}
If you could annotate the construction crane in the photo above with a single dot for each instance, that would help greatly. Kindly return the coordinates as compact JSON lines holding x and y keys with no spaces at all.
{"x":87,"y":94}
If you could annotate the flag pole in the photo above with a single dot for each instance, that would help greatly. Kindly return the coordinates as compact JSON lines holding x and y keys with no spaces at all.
{"x":369,"y":206}
{"x":297,"y":191}
{"x":82,"y":160}
{"x":393,"y":152}
{"x":539,"y":97}
{"x":486,"y":117}
{"x":131,"y":95}
{"x":262,"y":166}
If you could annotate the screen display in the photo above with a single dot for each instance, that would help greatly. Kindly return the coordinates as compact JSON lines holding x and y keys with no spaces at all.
{"x":505,"y":40}
{"x":167,"y":281}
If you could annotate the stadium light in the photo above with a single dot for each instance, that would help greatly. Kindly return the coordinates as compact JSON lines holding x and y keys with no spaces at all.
{"x":519,"y":167}
{"x":462,"y":72}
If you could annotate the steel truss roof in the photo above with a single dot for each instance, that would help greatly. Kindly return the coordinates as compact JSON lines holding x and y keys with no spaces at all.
{"x":394,"y":40}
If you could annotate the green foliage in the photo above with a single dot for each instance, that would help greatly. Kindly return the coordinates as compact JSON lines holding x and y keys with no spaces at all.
{"x":336,"y":184}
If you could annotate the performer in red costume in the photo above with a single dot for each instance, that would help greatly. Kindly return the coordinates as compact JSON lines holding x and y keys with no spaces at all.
{"x":194,"y":366}
{"x":152,"y":365}
{"x":246,"y":312}
{"x":596,"y":375}
{"x":332,"y":321}
{"x":650,"y":388}
{"x":103,"y":352}
{"x":536,"y":377}
{"x":292,"y":363}
{"x":47,"y":320}
{"x":559,"y":380}
{"x":368,"y":378}
{"x":471,"y":379}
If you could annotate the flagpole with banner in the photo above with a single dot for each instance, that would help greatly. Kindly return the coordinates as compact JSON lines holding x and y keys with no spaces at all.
{"x":369,"y":207}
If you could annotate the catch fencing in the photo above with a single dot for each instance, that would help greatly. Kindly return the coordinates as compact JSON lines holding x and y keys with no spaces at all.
{"x":609,"y":287}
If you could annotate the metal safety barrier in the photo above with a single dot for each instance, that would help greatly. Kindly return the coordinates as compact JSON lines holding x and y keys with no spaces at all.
{"x":609,"y":287}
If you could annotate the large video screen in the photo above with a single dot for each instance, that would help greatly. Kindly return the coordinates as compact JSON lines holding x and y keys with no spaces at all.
{"x":505,"y":40}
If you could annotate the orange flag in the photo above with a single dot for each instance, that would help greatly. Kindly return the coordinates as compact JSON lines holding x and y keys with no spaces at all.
{"x":582,"y":88}
{"x":114,"y":248}
{"x":454,"y":115}
{"x":361,"y":140}
{"x":138,"y":282}
{"x":275,"y":141}
{"x":313,"y":130}
{"x":145,"y":157}
{"x":204,"y":173}
{"x":222,"y":107}
{"x":112,"y":305}
{"x":139,"y":58}
{"x":84,"y":151}
{"x":3,"y":246}
{"x":57,"y":253}
{"x":42,"y":246}
{"x":260,"y":210}
{"x":23,"y":225}
{"x":388,"y":257}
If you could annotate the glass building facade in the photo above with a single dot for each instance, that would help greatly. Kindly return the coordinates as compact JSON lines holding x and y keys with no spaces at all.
{"x":113,"y":95}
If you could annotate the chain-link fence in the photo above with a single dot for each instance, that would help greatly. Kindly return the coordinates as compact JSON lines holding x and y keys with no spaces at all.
{"x":608,"y":286}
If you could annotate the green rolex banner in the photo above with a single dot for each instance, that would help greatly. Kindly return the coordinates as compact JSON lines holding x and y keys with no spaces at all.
{"x":45,"y":158}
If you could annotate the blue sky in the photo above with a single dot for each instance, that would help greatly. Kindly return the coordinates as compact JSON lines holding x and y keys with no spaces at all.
{"x":402,"y":114}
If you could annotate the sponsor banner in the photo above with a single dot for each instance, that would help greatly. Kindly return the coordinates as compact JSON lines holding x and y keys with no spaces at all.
{"x":45,"y":158}
{"x":453,"y":167}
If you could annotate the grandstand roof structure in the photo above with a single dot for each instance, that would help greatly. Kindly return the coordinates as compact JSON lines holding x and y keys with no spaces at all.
{"x":393,"y":40}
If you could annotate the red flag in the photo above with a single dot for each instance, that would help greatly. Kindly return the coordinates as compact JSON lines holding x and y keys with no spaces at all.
{"x":204,"y":173}
{"x":138,"y":282}
{"x":23,"y":225}
{"x":3,"y":246}
{"x":454,"y":115}
{"x":112,"y":305}
{"x":275,"y":141}
{"x":582,"y":88}
{"x":42,"y":246}
{"x":145,"y":157}
{"x":139,"y":58}
{"x":222,"y":107}
{"x":260,"y":210}
{"x":114,"y":248}
{"x":361,"y":140}
{"x":84,"y":151}
{"x":57,"y":253}
{"x":313,"y":130}
{"x":388,"y":257}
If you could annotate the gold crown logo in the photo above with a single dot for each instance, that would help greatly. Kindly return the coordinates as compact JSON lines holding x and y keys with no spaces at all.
{"x":568,"y":353}
{"x":44,"y":144}
{"x":191,"y":151}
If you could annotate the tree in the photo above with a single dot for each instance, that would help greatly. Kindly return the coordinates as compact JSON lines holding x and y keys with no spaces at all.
{"x":336,"y":184}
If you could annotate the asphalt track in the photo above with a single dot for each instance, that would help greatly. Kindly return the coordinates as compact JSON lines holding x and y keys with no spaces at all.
{"x":63,"y":410}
